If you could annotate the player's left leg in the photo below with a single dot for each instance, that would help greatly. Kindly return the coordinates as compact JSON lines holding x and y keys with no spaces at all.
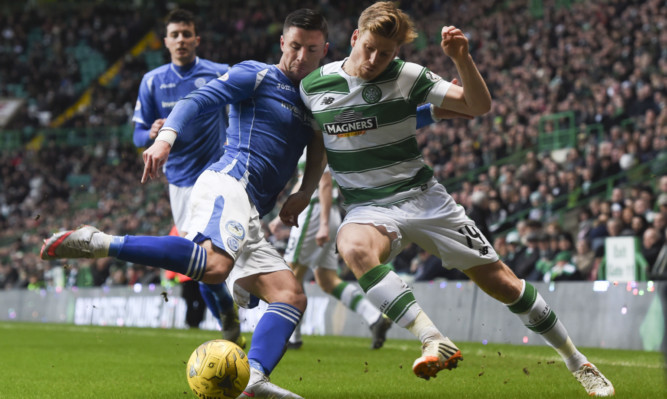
{"x":287,"y":302}
{"x":522,"y":299}
{"x":355,"y":300}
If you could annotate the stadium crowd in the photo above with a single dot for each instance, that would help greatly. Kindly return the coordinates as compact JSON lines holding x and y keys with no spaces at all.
{"x":547,"y":213}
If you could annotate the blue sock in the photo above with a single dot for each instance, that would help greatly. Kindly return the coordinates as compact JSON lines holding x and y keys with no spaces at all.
{"x":211,"y":301}
{"x":222,"y":294}
{"x":271,"y":335}
{"x":169,"y":252}
{"x":217,"y":299}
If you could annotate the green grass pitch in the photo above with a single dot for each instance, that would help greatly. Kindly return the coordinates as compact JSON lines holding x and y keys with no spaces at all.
{"x":67,"y":361}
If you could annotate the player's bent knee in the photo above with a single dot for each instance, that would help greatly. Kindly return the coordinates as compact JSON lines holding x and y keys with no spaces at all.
{"x":355,"y":253}
{"x":296,"y":299}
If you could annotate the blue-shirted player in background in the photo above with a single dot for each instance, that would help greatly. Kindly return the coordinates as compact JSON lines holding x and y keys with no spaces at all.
{"x":201,"y":144}
{"x":268,"y":130}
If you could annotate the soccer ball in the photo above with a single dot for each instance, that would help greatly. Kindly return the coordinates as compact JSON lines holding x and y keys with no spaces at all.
{"x":218,"y":369}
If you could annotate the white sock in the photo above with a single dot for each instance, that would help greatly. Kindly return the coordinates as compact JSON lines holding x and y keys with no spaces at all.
{"x":101,"y":242}
{"x":537,"y":315}
{"x":572,"y":357}
{"x":392,"y":296}
{"x":424,"y":329}
{"x":354,"y":298}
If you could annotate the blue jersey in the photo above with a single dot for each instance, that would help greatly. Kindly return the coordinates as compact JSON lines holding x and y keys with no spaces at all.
{"x":200,"y":143}
{"x":268,"y":127}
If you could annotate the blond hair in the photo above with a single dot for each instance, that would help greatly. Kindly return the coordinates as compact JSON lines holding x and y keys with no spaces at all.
{"x":385,"y":19}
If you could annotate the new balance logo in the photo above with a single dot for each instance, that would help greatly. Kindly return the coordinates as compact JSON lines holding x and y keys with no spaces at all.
{"x":327,"y":100}
{"x":484,"y":251}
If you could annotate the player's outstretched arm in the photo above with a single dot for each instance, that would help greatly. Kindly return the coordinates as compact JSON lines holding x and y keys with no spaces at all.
{"x":473,"y":98}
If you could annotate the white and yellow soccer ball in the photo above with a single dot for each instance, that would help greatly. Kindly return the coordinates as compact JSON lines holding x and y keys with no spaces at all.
{"x":218,"y":369}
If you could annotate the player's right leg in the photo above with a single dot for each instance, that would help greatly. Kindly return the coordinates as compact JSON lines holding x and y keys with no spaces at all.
{"x":287,"y":303}
{"x":362,"y":247}
{"x":352,"y":297}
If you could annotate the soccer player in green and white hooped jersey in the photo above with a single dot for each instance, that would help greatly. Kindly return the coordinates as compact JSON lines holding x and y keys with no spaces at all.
{"x":311,"y":245}
{"x":365,"y":106}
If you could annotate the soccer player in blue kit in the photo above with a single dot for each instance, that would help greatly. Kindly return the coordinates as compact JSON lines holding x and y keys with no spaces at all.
{"x":202,"y":140}
{"x":268,"y":130}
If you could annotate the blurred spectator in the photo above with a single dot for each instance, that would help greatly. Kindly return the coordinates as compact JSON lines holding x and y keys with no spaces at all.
{"x":9,"y":276}
{"x":478,"y":212}
{"x":638,"y":225}
{"x":117,"y":277}
{"x":660,"y":222}
{"x":585,"y":223}
{"x":502,"y":249}
{"x":661,"y":203}
{"x":652,"y":243}
{"x":584,"y":259}
{"x":403,"y":261}
{"x":561,"y":266}
{"x":525,"y":258}
{"x":496,"y":218}
{"x":562,"y":269}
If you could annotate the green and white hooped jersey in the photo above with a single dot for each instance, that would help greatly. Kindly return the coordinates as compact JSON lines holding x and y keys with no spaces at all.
{"x":369,"y":128}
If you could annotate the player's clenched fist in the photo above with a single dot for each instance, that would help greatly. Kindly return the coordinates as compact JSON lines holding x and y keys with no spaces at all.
{"x":454,"y":42}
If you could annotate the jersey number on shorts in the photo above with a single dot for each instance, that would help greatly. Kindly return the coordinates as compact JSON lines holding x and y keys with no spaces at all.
{"x":470,"y":232}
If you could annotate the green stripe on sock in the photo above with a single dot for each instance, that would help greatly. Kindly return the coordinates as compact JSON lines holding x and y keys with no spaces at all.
{"x":373,"y":276}
{"x":546,"y":324}
{"x":527,"y":300}
{"x":338,"y":291}
{"x":400,"y":305}
{"x":355,"y":301}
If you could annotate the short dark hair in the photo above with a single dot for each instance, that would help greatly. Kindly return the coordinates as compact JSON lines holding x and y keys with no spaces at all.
{"x":180,"y":15}
{"x":307,"y":19}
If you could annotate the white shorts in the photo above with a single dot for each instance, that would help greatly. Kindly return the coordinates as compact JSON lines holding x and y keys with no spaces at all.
{"x":434,"y":222}
{"x":222,"y":212}
{"x":179,"y":199}
{"x":302,"y":248}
